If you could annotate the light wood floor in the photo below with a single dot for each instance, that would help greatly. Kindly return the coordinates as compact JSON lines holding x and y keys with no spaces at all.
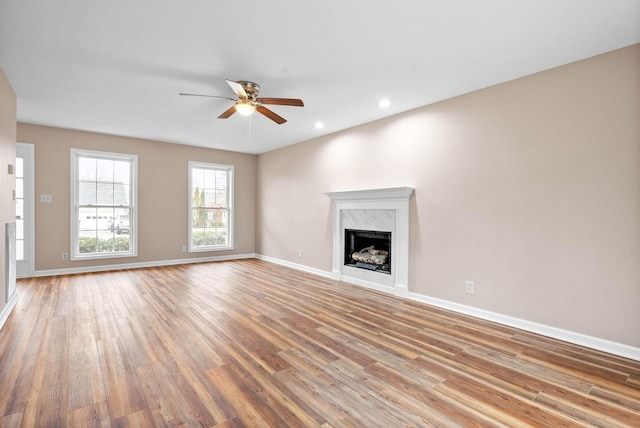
{"x":248,"y":343}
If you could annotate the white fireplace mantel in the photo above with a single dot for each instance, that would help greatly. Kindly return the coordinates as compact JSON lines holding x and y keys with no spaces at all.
{"x":402,"y":193}
{"x":373,"y":209}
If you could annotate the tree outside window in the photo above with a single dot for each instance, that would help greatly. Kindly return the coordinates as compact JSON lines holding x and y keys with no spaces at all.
{"x":211,"y":208}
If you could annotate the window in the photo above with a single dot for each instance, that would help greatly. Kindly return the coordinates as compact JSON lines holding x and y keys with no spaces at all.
{"x":104,"y":204}
{"x":19,"y":209}
{"x":210,"y":207}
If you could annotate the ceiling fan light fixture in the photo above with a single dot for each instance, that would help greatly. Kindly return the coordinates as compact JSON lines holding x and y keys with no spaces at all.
{"x":245,"y":109}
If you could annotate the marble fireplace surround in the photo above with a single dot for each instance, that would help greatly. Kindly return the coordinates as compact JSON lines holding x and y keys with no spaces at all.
{"x":385,"y":210}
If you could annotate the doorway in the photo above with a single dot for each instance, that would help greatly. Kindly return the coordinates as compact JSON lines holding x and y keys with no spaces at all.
{"x":25,"y":212}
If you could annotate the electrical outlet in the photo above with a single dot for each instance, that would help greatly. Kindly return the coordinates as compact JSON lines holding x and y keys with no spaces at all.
{"x":65,"y":256}
{"x":300,"y":253}
{"x":46,"y":198}
{"x":469,"y":287}
{"x":184,"y":248}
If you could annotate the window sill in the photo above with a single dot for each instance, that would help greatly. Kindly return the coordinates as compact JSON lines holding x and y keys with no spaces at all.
{"x":77,"y":258}
{"x":209,"y":249}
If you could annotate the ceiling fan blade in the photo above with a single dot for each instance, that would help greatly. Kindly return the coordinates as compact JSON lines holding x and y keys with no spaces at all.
{"x":282,"y":101}
{"x":228,"y":112}
{"x":208,"y":96}
{"x":271,"y":115}
{"x":238,"y":89}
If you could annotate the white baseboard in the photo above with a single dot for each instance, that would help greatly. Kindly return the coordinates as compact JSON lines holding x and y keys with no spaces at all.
{"x":296,"y":266}
{"x":545,"y":330}
{"x":104,"y":268}
{"x":7,"y":309}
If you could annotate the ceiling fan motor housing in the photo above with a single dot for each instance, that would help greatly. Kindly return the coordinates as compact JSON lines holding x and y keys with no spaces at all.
{"x":251,"y":88}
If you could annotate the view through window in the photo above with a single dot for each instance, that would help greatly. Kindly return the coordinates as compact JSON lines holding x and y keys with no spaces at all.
{"x":104,"y":189}
{"x":211,"y":202}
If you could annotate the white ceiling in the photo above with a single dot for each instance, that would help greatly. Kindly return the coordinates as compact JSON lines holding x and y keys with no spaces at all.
{"x":117,"y":66}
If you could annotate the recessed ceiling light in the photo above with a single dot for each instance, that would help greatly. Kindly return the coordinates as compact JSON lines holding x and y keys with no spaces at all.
{"x":384,"y":103}
{"x":319,"y":125}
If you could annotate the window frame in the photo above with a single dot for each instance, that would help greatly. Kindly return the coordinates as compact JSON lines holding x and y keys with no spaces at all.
{"x":229,"y":170}
{"x":133,"y":205}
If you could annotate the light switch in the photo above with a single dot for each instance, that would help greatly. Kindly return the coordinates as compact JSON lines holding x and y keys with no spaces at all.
{"x":45,"y":198}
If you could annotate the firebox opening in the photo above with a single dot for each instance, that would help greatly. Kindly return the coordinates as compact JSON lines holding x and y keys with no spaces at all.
{"x":368,"y":249}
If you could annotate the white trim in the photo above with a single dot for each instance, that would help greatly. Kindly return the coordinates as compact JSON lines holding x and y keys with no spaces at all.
{"x":105,"y":268}
{"x":7,"y":309}
{"x":603,"y":345}
{"x":296,"y":266}
{"x":30,"y":206}
{"x":533,"y":327}
{"x":372,"y":194}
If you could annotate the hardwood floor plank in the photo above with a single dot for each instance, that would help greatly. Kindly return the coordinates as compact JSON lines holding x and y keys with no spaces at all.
{"x":502,"y":404}
{"x":122,"y":385}
{"x":171,"y":400}
{"x":247,"y":407}
{"x":289,"y":408}
{"x":348,"y":380}
{"x":618,"y":382}
{"x":85,"y":382}
{"x":139,"y":419}
{"x":17,"y":364}
{"x":51,"y":405}
{"x":344,"y":403}
{"x":92,"y":416}
{"x":579,"y":413}
{"x":428,"y":404}
{"x":260,"y":348}
{"x":13,"y":420}
{"x":536,"y":371}
{"x":247,"y":343}
{"x":569,"y":350}
{"x":200,"y":393}
{"x":621,"y":400}
{"x":323,"y":409}
{"x":572,"y":364}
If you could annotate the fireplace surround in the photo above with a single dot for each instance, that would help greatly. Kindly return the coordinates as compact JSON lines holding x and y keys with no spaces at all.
{"x":375,"y":210}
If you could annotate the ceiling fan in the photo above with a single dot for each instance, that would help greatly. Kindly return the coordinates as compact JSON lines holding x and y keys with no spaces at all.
{"x":247,"y":101}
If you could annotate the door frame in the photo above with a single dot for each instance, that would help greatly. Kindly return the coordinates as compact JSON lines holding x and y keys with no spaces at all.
{"x":27,"y":269}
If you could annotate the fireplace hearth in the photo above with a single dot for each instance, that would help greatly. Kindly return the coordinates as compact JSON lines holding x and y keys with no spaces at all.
{"x":368,"y":249}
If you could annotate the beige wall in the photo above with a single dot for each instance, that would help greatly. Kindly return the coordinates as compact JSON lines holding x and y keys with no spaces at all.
{"x":162,"y":196}
{"x":7,"y":181}
{"x":531,"y":188}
